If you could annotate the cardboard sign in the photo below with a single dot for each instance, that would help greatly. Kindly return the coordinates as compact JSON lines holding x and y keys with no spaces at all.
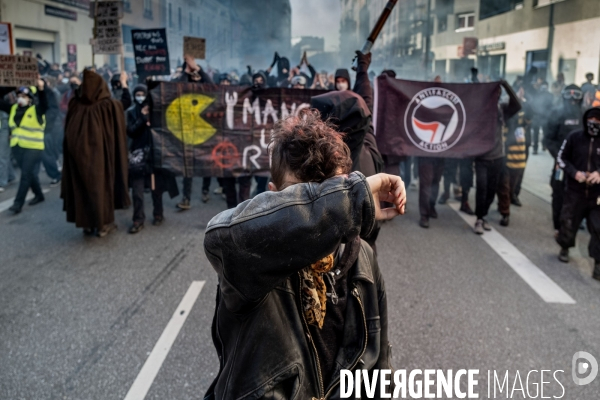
{"x":108,"y":27}
{"x":151,"y":52}
{"x":16,"y":71}
{"x":195,"y":47}
{"x":6,"y":39}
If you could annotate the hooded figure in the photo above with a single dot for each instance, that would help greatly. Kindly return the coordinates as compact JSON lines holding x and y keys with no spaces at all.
{"x":579,"y":157}
{"x":94,"y":180}
{"x":259,"y":80}
{"x":349,"y":112}
{"x":341,"y":75}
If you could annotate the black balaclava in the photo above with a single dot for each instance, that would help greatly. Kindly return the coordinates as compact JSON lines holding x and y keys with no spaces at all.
{"x":283,"y":64}
{"x":591,"y":128}
{"x":262,"y":75}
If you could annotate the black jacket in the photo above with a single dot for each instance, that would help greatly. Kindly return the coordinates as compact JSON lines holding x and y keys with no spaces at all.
{"x":257,"y":249}
{"x":564,"y":120}
{"x":580,"y":152}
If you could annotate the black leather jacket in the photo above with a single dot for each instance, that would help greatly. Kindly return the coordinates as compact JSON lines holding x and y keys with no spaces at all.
{"x":258,"y":248}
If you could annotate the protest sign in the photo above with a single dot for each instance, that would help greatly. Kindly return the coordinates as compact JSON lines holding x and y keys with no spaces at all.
{"x":151,"y":52}
{"x":195,"y":47}
{"x":16,"y":71}
{"x":428,"y":119}
{"x":108,"y":39}
{"x":221,"y":131}
{"x":6,"y":39}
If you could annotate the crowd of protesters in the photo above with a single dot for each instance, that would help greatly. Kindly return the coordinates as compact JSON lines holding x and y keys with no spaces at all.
{"x":533,"y":115}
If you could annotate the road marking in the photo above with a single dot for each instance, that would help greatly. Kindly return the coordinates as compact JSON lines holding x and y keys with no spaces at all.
{"x":148,"y":373}
{"x":545,"y":287}
{"x":6,"y":204}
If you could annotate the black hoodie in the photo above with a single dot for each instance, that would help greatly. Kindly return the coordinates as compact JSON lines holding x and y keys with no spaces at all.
{"x":349,"y":112}
{"x":343,"y":73}
{"x":581,"y":152}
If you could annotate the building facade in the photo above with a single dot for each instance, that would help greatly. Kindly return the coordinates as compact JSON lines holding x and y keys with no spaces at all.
{"x":503,"y":39}
{"x":50,"y":28}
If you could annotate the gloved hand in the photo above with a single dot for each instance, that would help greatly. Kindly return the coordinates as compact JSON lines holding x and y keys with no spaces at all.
{"x":275,"y":59}
{"x":363,"y":61}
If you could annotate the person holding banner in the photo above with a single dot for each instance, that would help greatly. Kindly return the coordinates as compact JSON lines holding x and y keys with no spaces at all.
{"x":192,"y":72}
{"x":141,"y":168}
{"x":488,"y":167}
{"x":27,"y":121}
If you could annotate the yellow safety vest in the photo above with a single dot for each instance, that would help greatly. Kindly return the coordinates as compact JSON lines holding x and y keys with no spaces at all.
{"x":30,"y":134}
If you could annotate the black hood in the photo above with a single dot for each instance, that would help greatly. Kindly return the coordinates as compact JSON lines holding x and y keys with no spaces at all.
{"x":140,"y":88}
{"x":343,"y":73}
{"x":282,"y":64}
{"x":347,"y":110}
{"x":592,"y":112}
{"x":263,"y":76}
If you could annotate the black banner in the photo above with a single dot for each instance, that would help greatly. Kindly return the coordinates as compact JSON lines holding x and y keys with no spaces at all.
{"x":428,"y":119}
{"x":220,"y":131}
{"x":151,"y":52}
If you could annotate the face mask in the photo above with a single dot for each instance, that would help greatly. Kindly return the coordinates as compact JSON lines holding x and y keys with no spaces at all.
{"x":140,"y":99}
{"x":593,"y":128}
{"x":341,"y":86}
{"x":23,"y":101}
{"x":65,"y":80}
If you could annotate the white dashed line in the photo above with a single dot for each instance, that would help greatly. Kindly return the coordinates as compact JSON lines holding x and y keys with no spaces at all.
{"x":545,"y":287}
{"x":148,"y":373}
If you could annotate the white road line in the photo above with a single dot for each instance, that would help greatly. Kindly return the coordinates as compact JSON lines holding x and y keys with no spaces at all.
{"x":6,"y":204}
{"x":148,"y":373}
{"x":548,"y":290}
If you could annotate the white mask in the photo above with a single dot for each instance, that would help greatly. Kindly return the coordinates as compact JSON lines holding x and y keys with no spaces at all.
{"x":65,"y":80}
{"x":140,"y":99}
{"x":23,"y":101}
{"x":341,"y":86}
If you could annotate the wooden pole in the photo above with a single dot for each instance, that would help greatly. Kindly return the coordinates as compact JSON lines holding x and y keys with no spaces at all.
{"x":95,"y":32}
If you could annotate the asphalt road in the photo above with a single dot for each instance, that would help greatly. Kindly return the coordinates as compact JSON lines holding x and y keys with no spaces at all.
{"x":79,"y":316}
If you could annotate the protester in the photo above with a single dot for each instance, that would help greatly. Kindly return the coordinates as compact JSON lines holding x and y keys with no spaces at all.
{"x":94,"y":180}
{"x":27,"y":121}
{"x":579,"y":157}
{"x":488,"y":167}
{"x":291,"y":267}
{"x":588,"y":88}
{"x":342,"y":80}
{"x":564,"y":120}
{"x":142,"y":172}
{"x":193,"y":73}
{"x":6,"y":171}
{"x":53,"y":133}
{"x":120,"y":90}
{"x":430,"y":174}
{"x":515,"y":159}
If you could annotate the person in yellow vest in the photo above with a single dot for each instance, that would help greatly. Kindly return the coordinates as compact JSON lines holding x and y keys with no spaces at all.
{"x":27,"y":122}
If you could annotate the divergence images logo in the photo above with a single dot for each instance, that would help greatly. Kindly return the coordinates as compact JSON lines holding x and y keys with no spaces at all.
{"x":435,"y":119}
{"x":581,"y":368}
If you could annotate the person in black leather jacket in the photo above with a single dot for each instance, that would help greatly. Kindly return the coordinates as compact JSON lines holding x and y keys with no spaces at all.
{"x":579,"y":157}
{"x":300,"y":296}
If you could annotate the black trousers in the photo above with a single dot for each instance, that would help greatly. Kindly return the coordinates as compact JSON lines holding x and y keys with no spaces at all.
{"x":187,"y":186}
{"x":558,"y":192}
{"x":465,"y":166}
{"x":137,"y":194}
{"x":231,"y":194}
{"x":509,"y":179}
{"x":487,"y":173}
{"x":450,"y":170}
{"x":576,"y":207}
{"x":430,"y":174}
{"x":28,"y":161}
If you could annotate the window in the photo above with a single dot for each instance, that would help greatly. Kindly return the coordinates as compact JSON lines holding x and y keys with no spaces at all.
{"x":542,"y":3}
{"x":148,"y":9}
{"x":466,"y":22}
{"x":442,"y":23}
{"x":180,"y":19}
{"x":489,"y":8}
{"x":127,"y":5}
{"x":170,"y":16}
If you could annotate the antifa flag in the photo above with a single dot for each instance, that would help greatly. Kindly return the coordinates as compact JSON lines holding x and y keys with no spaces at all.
{"x":221,"y":131}
{"x":429,"y":119}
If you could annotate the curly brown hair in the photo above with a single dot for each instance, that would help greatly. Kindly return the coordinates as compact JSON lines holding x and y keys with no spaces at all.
{"x":308,"y":148}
